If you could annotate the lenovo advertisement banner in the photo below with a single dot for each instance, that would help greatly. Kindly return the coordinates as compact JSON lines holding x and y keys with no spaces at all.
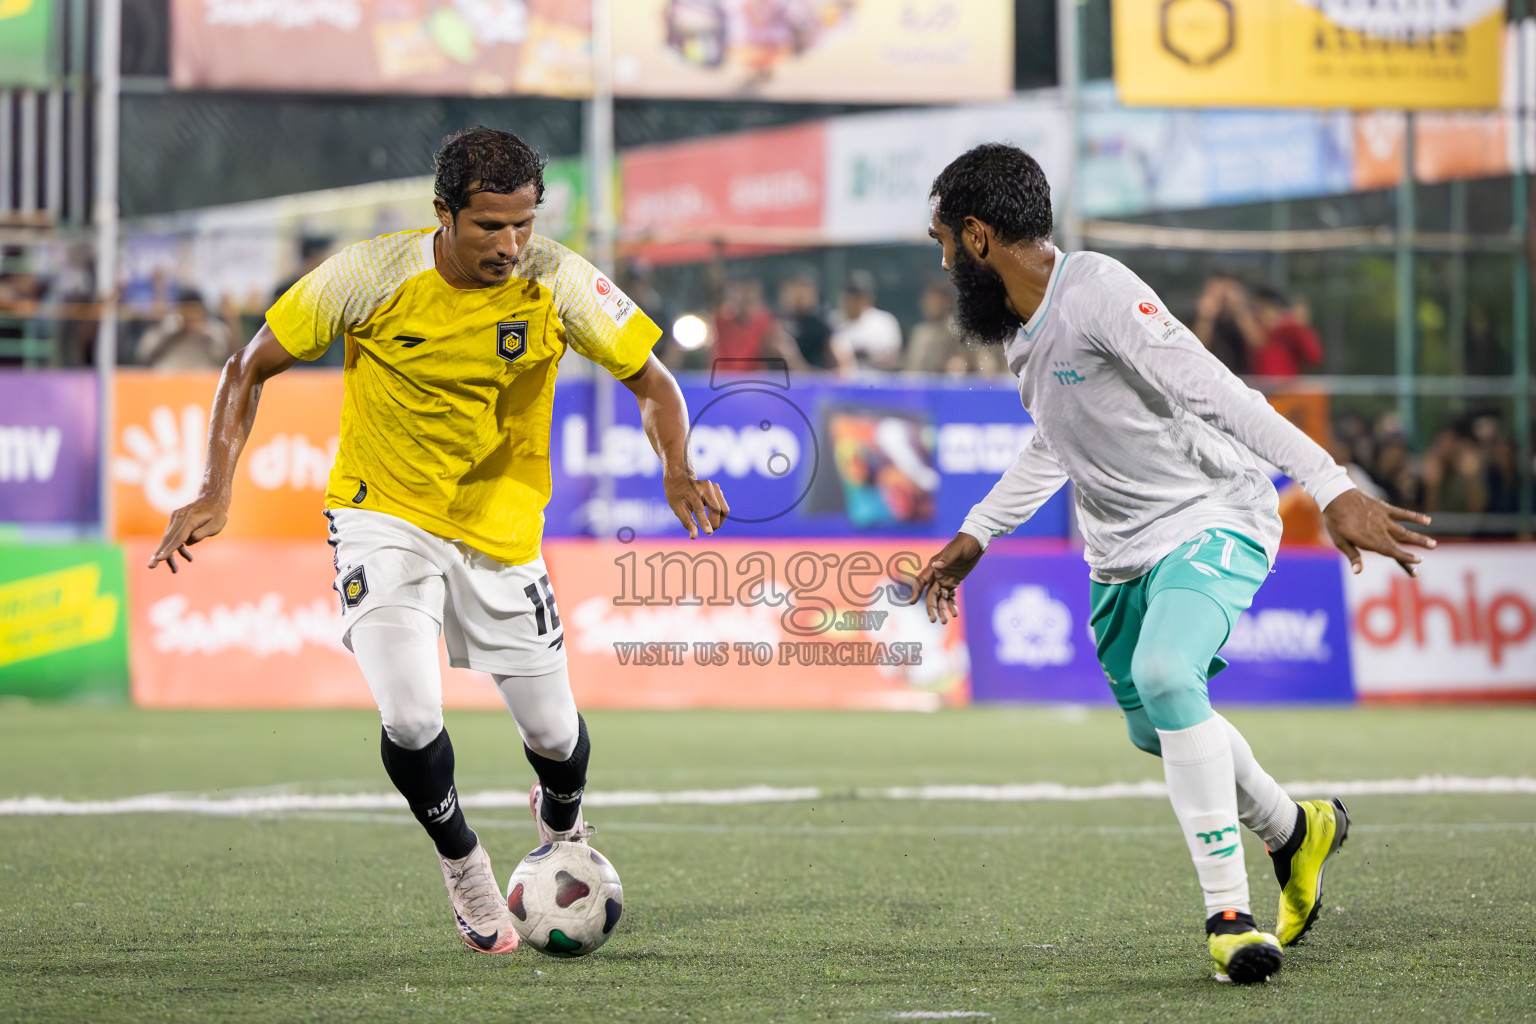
{"x":1026,"y":611}
{"x":849,"y":51}
{"x":1463,"y":627}
{"x":161,"y":433}
{"x":63,"y":622}
{"x":496,"y":48}
{"x":818,"y":458}
{"x":49,"y":445}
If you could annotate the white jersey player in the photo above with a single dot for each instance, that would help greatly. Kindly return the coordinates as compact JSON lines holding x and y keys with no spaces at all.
{"x":1179,"y":523}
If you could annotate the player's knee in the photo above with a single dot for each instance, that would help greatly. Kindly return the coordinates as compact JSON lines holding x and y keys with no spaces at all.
{"x":1163,"y":677}
{"x":555,"y":739}
{"x":1142,"y":732}
{"x":413,"y":728}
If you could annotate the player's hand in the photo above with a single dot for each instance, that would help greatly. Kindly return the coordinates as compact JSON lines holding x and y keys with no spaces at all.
{"x":942,"y":576}
{"x":204,"y":517}
{"x":1358,"y":523}
{"x":698,"y":504}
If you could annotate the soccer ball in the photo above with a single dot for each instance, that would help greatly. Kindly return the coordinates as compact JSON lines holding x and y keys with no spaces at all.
{"x":565,"y":899}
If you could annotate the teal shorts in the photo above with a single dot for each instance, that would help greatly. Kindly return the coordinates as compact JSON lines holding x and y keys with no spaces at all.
{"x":1226,"y":567}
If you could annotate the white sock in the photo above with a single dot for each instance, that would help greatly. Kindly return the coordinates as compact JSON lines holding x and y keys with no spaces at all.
{"x":1261,"y":804}
{"x":1197,"y":762}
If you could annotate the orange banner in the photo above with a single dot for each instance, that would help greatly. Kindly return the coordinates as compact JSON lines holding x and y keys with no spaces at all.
{"x":160,"y":431}
{"x":779,"y":624}
{"x":253,"y":624}
{"x":1446,"y":146}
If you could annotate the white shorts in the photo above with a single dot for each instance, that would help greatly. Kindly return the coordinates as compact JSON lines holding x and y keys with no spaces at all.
{"x":496,"y":618}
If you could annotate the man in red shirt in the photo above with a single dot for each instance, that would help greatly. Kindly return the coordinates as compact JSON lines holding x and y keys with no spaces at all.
{"x":1290,"y":344}
{"x":746,"y":329}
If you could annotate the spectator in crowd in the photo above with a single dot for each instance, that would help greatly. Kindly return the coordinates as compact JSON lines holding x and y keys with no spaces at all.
{"x":864,"y":337}
{"x":186,"y":338}
{"x":1289,"y":344}
{"x":800,"y":317}
{"x":1470,"y":467}
{"x":744,"y":328}
{"x":1225,"y":322}
{"x":934,"y":345}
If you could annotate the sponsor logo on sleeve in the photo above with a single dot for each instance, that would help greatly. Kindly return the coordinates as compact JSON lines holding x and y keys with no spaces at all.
{"x":1161,"y":324}
{"x":611,"y":300}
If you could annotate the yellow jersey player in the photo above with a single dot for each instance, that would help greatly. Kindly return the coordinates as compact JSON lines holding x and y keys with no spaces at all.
{"x":436,"y":502}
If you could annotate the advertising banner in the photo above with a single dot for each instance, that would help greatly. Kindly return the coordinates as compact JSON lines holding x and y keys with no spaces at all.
{"x":1309,"y":53}
{"x":1464,"y":627}
{"x":1446,"y":146}
{"x":849,"y":51}
{"x":881,"y":166}
{"x":814,"y":624}
{"x":1027,"y":612}
{"x":26,"y":42}
{"x":159,"y":439}
{"x":63,"y":622}
{"x":497,"y":48}
{"x":254,"y":624}
{"x":772,"y":181}
{"x":815,"y":459}
{"x":49,"y":446}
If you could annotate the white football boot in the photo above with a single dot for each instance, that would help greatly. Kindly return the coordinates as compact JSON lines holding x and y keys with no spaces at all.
{"x":479,"y":910}
{"x":578,"y":833}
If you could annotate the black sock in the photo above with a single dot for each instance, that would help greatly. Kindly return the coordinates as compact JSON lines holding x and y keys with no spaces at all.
{"x":563,"y":781}
{"x":1229,"y":922}
{"x":1282,"y":856}
{"x":425,"y":778}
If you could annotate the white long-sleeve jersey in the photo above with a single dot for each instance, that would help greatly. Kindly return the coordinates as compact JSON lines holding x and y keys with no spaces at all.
{"x":1153,"y":431}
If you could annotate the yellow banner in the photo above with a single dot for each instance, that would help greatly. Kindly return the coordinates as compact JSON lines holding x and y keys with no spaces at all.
{"x":54,"y":612}
{"x":1308,"y":53}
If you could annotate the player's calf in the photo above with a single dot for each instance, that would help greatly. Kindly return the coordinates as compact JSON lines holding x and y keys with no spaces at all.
{"x":556,"y":798}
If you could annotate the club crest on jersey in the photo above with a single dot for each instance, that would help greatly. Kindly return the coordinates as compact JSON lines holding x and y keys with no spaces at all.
{"x":354,"y":587}
{"x":512,"y":339}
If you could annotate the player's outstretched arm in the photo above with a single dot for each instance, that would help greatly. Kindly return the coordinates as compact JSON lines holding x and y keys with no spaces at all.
{"x":698,"y":504}
{"x":1358,"y":522}
{"x":941,"y":577}
{"x":234,"y":411}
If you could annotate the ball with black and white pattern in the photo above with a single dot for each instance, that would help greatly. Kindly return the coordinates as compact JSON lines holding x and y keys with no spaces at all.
{"x":565,"y":899}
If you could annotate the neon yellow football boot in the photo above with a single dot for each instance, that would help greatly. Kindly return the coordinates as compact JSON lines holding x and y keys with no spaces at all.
{"x":1321,"y":829}
{"x":1243,"y":954}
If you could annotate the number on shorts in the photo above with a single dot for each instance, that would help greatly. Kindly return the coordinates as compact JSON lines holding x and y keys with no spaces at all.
{"x":545,"y":615}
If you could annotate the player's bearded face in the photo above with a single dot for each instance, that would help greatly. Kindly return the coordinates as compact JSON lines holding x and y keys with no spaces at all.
{"x":981,"y":306}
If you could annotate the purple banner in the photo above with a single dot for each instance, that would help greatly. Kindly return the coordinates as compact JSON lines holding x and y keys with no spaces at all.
{"x":1026,"y":616}
{"x":48,"y":446}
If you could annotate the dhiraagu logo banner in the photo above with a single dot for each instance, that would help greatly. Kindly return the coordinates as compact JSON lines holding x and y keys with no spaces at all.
{"x":26,"y":34}
{"x":1442,"y":54}
{"x":63,"y":622}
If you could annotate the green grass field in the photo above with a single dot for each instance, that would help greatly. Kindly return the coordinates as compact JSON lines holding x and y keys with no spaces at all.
{"x":844,"y":908}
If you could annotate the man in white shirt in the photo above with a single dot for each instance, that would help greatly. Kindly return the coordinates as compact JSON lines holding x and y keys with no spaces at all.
{"x":865,"y":337}
{"x":1180,"y":526}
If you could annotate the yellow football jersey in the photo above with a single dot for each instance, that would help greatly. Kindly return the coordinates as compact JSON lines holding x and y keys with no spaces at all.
{"x":449,"y":391}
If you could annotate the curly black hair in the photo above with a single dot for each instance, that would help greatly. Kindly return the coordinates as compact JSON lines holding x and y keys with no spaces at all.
{"x":1000,"y":185}
{"x":482,"y":159}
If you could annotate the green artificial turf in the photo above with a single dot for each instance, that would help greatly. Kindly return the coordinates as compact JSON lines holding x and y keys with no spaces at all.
{"x":844,"y":908}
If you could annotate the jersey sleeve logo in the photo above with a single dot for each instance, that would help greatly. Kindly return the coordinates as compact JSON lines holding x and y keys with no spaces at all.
{"x":1161,"y":325}
{"x":611,"y":300}
{"x":512,"y":339}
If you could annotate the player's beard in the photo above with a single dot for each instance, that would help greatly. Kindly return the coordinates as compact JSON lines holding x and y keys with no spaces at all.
{"x":981,"y":306}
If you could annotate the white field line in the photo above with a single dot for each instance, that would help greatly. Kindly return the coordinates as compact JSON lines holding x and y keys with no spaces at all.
{"x":1034,"y":792}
